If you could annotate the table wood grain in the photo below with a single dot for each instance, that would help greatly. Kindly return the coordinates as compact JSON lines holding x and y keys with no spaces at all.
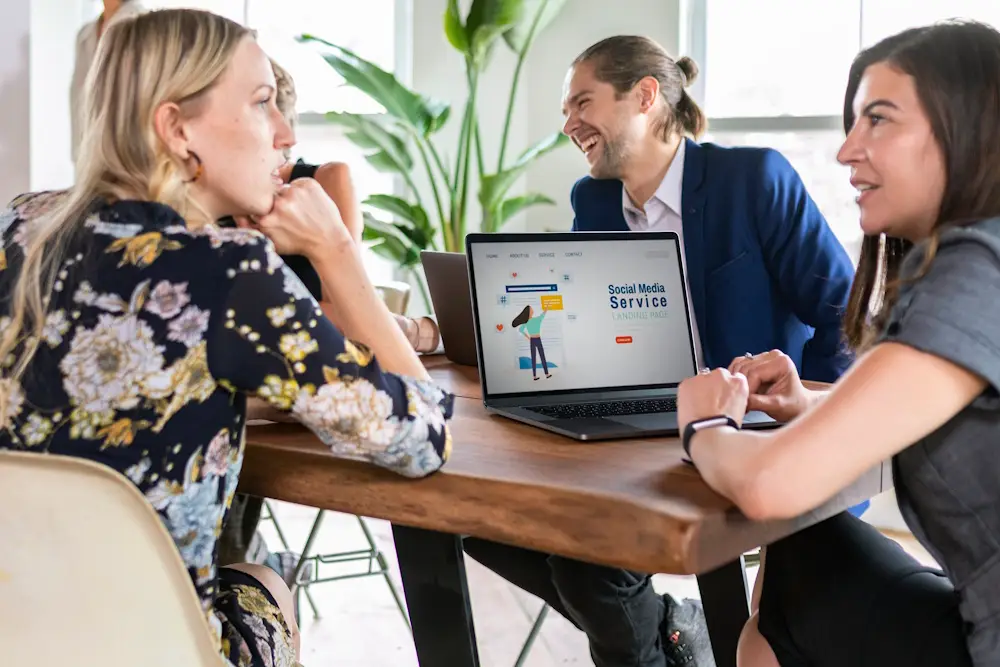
{"x":626,"y":503}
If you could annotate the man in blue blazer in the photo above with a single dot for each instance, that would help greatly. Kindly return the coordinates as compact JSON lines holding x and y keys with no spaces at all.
{"x":764,"y":272}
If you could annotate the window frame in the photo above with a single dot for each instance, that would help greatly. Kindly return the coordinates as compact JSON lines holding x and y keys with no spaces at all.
{"x":693,"y":40}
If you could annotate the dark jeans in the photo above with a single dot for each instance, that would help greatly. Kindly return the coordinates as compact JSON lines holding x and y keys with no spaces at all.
{"x":241,"y":524}
{"x":536,"y":346}
{"x":617,"y":609}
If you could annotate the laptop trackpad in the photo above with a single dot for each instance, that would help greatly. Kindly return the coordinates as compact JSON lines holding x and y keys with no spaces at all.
{"x":648,"y":422}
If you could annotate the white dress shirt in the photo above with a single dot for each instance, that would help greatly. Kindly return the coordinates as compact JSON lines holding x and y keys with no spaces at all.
{"x":86,"y":49}
{"x":662,"y":213}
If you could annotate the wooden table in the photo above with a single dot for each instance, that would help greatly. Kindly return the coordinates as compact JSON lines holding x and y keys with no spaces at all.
{"x":626,"y":503}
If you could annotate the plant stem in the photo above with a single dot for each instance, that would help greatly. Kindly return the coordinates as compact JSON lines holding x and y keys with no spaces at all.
{"x":521,"y":57}
{"x":463,"y":199}
{"x":479,"y":151}
{"x":419,"y":141}
{"x":439,"y":163}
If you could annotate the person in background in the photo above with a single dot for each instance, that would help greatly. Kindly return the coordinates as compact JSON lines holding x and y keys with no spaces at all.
{"x":241,"y":539}
{"x":764,"y":271}
{"x":922,"y":116}
{"x":86,"y":48}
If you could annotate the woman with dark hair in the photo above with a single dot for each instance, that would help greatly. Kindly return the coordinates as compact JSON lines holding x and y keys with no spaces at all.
{"x":530,"y":327}
{"x":922,"y":116}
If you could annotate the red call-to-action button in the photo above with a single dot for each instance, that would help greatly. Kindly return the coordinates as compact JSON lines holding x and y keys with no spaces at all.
{"x":623,"y":340}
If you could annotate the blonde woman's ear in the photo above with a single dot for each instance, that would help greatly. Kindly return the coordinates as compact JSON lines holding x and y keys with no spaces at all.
{"x":168,"y":122}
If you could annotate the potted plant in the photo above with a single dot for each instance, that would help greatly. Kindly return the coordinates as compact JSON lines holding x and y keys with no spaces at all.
{"x":397,"y":140}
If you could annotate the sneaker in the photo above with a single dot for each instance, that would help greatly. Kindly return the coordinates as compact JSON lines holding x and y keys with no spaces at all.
{"x":685,"y":634}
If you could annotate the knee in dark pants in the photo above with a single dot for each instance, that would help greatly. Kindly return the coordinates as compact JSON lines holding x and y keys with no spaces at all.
{"x":618,"y":609}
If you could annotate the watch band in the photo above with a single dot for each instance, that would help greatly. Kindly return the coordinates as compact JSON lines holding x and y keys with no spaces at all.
{"x":700,"y":424}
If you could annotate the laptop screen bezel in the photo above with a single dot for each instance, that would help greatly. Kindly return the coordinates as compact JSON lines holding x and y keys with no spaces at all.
{"x":558,"y":237}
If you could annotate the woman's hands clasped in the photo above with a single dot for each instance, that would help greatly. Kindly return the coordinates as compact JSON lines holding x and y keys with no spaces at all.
{"x":767,"y":382}
{"x":774,"y":385}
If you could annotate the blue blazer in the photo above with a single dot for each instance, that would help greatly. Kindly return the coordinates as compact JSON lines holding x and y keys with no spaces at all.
{"x":764,"y":268}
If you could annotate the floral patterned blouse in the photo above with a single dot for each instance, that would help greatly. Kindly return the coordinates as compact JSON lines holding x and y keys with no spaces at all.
{"x":153,"y":339}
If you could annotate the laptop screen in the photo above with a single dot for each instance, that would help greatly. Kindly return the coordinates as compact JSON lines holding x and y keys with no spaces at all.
{"x":565,"y":313}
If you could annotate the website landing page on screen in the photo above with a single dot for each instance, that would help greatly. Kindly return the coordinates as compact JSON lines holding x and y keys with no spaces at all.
{"x":563,"y":315}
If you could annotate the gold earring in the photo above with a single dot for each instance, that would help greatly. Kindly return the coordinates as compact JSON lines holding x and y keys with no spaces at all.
{"x":199,"y":170}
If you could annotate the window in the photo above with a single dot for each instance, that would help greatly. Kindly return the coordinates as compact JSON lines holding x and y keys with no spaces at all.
{"x":774,"y":73}
{"x":368,"y":28}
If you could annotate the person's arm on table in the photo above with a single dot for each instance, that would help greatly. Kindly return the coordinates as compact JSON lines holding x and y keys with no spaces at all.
{"x":893,"y":396}
{"x":361,"y":389}
{"x":938,"y":354}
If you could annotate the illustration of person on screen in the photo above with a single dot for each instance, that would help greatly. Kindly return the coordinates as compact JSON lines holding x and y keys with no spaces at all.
{"x":530,"y":326}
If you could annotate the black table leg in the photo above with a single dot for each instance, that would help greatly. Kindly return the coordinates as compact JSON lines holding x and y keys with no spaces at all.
{"x":432,"y":566}
{"x":725,"y":597}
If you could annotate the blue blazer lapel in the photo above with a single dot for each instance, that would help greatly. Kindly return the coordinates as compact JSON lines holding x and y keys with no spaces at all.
{"x":616,"y":214}
{"x":692,"y":217}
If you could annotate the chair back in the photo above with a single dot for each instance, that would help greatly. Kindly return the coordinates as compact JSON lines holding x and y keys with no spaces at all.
{"x":88,"y":573}
{"x":396,"y":296}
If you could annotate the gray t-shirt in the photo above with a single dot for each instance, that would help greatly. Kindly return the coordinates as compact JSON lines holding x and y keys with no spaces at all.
{"x":948,"y":484}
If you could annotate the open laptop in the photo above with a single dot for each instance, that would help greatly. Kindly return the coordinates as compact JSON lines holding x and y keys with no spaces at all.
{"x":609,"y":313}
{"x":448,"y":283}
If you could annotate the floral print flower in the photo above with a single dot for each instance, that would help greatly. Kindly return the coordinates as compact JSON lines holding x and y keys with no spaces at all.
{"x":11,"y":392}
{"x":190,"y":327}
{"x":297,"y":346}
{"x":167,"y":299}
{"x":144,"y":249}
{"x":294,"y":287}
{"x":217,"y":454}
{"x":356,"y":408}
{"x":107,"y":366}
{"x":280,"y":314}
{"x":56,"y":326}
{"x":36,"y":429}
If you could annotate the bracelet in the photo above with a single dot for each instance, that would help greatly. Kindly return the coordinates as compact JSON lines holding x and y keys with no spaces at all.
{"x":701,"y":424}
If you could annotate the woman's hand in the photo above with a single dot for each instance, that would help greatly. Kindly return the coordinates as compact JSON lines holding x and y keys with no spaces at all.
{"x":303,"y":221}
{"x":775,"y":387}
{"x":710,"y":395}
{"x":335,"y":179}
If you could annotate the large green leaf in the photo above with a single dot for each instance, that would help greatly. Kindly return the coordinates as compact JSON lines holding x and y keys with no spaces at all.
{"x":393,"y":244}
{"x":510,"y":207}
{"x":520,"y":36}
{"x":454,"y":30}
{"x":486,"y":22}
{"x":384,"y":163}
{"x":368,"y":133}
{"x":495,"y":186}
{"x":424,"y":114}
{"x":400,"y":208}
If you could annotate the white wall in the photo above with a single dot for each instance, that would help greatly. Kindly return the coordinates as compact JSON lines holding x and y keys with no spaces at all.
{"x":15,"y":86}
{"x":54,"y":25}
{"x":37,"y":43}
{"x":437,"y":70}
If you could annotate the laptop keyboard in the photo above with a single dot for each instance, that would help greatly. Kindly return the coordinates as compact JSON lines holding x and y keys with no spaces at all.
{"x":608,"y":408}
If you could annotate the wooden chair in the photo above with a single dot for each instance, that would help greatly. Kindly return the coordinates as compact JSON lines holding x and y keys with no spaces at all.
{"x":88,"y":573}
{"x":396,"y":296}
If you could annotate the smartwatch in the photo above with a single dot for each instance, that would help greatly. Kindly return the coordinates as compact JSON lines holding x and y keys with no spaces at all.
{"x":702,"y":424}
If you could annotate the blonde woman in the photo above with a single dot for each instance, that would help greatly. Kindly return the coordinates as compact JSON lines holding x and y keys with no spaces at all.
{"x":134,"y":328}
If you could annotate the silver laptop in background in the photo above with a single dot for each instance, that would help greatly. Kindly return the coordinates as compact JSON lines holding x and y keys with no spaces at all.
{"x":447,"y":276}
{"x":583,"y":334}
